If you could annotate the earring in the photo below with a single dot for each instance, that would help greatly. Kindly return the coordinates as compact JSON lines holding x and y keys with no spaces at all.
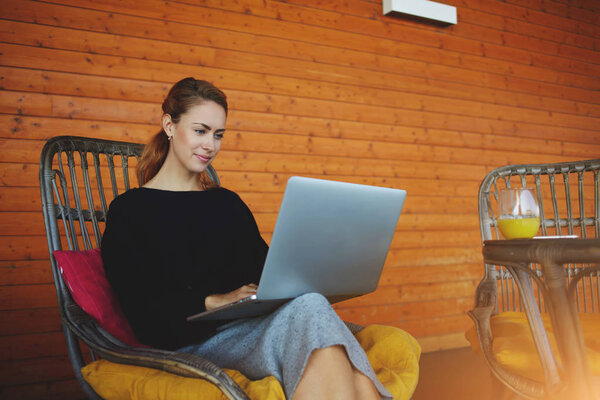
{"x":169,"y":138}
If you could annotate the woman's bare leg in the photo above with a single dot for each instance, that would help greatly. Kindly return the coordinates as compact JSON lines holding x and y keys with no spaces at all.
{"x":365,"y":390}
{"x":330,"y":375}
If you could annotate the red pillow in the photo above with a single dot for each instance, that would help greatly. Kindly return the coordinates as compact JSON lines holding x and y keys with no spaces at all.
{"x":84,"y":275}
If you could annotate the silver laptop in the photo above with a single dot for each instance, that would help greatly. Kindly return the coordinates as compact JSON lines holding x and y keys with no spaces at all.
{"x":330,"y":237}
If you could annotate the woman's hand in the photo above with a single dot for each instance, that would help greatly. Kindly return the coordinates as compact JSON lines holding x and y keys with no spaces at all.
{"x":217,"y":300}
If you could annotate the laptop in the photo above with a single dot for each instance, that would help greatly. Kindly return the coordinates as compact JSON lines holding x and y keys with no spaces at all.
{"x":330,"y":238}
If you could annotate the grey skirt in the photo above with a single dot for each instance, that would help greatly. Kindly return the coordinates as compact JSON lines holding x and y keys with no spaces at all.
{"x":280,"y":343}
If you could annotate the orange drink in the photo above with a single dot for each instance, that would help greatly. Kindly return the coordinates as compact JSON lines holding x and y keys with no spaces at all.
{"x":519,"y":214}
{"x":519,"y":228}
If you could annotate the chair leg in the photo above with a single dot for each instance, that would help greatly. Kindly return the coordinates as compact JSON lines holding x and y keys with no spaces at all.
{"x":501,"y":392}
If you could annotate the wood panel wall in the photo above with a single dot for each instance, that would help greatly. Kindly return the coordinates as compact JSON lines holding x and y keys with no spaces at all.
{"x":320,"y":88}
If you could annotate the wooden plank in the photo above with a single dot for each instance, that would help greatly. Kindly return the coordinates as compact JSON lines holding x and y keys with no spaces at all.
{"x":434,"y":256}
{"x":412,"y":293}
{"x":555,"y":8}
{"x":20,"y":199}
{"x":119,"y":45}
{"x":405,"y":311}
{"x":23,"y":248}
{"x":265,"y":182}
{"x":319,"y":34}
{"x":317,"y":16}
{"x":436,"y":325}
{"x":409,"y":83}
{"x":75,"y":84}
{"x":356,"y":150}
{"x":432,"y":273}
{"x":146,"y":28}
{"x":45,"y":369}
{"x":13,"y":174}
{"x":125,"y":24}
{"x":470,"y":27}
{"x":29,"y":321}
{"x":82,"y":108}
{"x":57,"y":390}
{"x":380,"y":94}
{"x":32,"y":346}
{"x":536,"y":17}
{"x":27,"y":296}
{"x":525,"y":29}
{"x":25,"y":272}
{"x":240,"y":123}
{"x":446,"y":341}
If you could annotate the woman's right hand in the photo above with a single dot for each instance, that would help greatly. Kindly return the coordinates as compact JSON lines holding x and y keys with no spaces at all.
{"x":217,"y":300}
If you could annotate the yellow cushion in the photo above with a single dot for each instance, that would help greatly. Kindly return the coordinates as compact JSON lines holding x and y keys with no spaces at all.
{"x":394,"y":355}
{"x":398,"y":370}
{"x":515,"y":350}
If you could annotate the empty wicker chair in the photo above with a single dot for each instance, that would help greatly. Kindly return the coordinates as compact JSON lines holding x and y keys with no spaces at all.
{"x":528,"y":363}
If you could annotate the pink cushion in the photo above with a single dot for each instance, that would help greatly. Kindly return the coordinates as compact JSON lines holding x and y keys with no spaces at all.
{"x":84,"y":275}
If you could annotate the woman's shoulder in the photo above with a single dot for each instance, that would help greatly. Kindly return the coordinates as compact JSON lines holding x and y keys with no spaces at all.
{"x":143,"y":195}
{"x":128,"y":197}
{"x":126,"y":201}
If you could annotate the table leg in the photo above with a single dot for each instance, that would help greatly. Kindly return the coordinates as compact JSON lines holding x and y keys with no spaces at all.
{"x":567,"y":331}
{"x":536,"y":325}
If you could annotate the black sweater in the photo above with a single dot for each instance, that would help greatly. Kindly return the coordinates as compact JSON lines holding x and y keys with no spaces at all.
{"x":165,"y":251}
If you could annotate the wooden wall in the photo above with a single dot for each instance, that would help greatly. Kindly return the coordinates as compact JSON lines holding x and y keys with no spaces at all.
{"x":321,"y":88}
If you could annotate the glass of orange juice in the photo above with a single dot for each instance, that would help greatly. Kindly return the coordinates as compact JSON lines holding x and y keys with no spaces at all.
{"x":519,"y":213}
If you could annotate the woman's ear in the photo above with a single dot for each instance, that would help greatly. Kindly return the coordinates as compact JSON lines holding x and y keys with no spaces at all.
{"x":168,"y":125}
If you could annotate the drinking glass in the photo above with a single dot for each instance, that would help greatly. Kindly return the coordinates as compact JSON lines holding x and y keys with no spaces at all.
{"x":519,"y":213}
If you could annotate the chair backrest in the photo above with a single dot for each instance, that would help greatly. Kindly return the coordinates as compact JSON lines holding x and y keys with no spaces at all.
{"x":79,"y":177}
{"x":569,"y":198}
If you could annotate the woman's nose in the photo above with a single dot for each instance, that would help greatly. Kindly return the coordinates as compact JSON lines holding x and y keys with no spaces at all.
{"x":208,"y":143}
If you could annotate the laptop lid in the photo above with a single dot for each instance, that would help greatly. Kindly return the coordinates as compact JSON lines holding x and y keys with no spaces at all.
{"x":331,"y":238}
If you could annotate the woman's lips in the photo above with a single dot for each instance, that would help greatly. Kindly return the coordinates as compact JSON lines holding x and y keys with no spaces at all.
{"x":202,"y":158}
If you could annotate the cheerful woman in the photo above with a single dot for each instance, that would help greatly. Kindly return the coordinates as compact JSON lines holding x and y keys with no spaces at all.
{"x":179,"y":245}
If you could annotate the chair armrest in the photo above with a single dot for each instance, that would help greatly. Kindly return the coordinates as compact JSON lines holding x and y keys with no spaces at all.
{"x":485,"y":306}
{"x":183,"y":364}
{"x":481,"y":316}
{"x":354,"y":328}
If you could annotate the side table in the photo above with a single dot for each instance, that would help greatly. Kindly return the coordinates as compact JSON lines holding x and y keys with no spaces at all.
{"x":551,"y":254}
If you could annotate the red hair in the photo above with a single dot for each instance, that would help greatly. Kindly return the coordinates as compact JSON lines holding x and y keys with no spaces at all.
{"x":183,"y":95}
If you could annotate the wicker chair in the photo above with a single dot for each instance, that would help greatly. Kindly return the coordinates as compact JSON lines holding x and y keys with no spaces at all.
{"x":569,"y":199}
{"x":79,"y":177}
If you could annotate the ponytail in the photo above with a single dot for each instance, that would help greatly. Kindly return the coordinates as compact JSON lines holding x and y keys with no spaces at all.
{"x":153,"y":157}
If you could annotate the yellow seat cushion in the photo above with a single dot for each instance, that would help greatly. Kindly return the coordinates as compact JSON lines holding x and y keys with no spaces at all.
{"x":393,"y":353}
{"x":515,"y":350}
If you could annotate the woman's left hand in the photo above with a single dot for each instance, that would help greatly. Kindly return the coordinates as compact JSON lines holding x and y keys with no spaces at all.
{"x":217,"y":300}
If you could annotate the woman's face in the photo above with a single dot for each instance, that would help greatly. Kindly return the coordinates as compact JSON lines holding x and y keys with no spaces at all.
{"x":196,"y":138}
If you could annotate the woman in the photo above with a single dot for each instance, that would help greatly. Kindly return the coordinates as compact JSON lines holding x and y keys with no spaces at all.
{"x":180,"y":245}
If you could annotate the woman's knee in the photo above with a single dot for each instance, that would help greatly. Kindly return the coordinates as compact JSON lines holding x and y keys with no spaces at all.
{"x":311,"y":299}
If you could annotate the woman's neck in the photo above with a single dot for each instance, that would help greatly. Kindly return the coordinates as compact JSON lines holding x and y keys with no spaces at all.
{"x":169,"y":177}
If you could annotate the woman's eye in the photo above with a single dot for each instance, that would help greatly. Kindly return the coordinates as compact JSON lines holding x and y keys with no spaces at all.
{"x":200,"y":131}
{"x":219,"y":136}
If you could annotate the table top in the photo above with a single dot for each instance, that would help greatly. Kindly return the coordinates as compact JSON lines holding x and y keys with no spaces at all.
{"x":559,"y":250}
{"x":550,"y":241}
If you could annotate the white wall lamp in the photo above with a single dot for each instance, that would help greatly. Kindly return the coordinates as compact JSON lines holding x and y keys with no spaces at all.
{"x":421,"y":9}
